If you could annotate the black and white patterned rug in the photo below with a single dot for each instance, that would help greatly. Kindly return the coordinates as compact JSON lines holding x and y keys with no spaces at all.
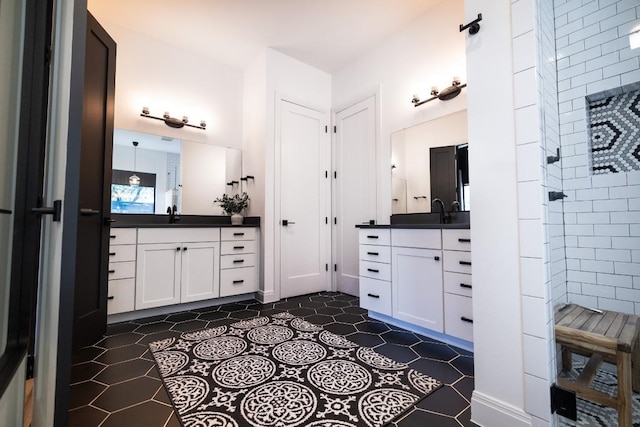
{"x":283,"y":371}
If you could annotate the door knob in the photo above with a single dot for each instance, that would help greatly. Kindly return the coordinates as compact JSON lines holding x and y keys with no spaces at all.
{"x":89,"y":212}
{"x":286,"y":222}
{"x":55,"y":210}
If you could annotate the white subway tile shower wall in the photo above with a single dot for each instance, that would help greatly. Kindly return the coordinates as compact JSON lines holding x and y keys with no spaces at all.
{"x":601,"y":212}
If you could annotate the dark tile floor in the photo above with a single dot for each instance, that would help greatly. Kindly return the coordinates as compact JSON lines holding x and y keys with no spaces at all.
{"x":115,"y":382}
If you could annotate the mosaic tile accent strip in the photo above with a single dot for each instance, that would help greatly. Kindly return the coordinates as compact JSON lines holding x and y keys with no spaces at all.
{"x":615,"y":133}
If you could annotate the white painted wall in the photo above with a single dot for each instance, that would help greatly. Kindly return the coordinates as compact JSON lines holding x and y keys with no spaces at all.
{"x":429,"y":52}
{"x":271,"y":75}
{"x":179,"y":80}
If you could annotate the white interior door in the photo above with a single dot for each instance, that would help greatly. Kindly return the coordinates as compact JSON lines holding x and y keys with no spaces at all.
{"x":354,"y":189}
{"x":302,"y":137}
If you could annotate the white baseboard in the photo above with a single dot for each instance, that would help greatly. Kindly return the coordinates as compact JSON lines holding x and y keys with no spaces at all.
{"x":489,"y":412}
{"x":267,"y":297}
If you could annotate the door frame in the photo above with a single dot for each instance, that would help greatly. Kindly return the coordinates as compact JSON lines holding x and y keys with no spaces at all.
{"x":277,"y":227}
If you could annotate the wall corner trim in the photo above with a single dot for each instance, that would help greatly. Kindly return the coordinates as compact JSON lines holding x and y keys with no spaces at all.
{"x":488,"y":411}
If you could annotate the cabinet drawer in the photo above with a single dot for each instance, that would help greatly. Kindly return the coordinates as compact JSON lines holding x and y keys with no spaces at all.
{"x":375,"y":270}
{"x":235,"y":281}
{"x":178,"y":235}
{"x":122,"y":236}
{"x":122,"y":270}
{"x":375,"y":295}
{"x":243,"y":247}
{"x":375,"y":236}
{"x":118,"y":253}
{"x":456,"y":240}
{"x":416,"y":238}
{"x":375,"y":253}
{"x":457,"y":283}
{"x":237,"y":233}
{"x":458,"y":262}
{"x":237,"y":261}
{"x":121,"y":296}
{"x":458,"y":316}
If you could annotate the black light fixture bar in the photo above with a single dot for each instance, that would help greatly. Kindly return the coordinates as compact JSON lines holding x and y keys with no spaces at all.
{"x":446,"y":94}
{"x":173,"y":122}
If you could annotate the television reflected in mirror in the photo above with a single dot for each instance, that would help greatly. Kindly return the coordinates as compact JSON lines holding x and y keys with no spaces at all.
{"x":133,"y":199}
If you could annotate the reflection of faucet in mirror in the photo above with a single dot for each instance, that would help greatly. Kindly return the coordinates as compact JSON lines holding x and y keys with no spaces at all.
{"x":443,"y":215}
{"x":455,"y":206}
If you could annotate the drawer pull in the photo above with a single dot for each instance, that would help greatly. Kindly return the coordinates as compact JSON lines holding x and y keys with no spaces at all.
{"x":112,"y":253}
{"x":437,"y":258}
{"x":235,"y":282}
{"x":111,"y":271}
{"x":238,"y":234}
{"x":178,"y":248}
{"x":111,"y":297}
{"x":238,"y":247}
{"x":373,"y":253}
{"x":466,"y":319}
{"x":373,"y":295}
{"x":372,"y":237}
{"x":373,"y":270}
{"x":461,"y":240}
{"x":185,"y":248}
{"x":238,"y":261}
{"x":465,"y":262}
{"x":464,"y":285}
{"x":112,"y":236}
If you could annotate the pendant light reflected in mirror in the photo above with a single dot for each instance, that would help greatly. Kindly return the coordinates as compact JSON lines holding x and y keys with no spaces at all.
{"x":134,"y":179}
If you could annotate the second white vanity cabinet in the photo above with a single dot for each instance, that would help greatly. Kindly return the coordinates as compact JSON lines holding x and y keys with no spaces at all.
{"x":458,"y":307}
{"x":417,"y":277}
{"x":176,"y":265}
{"x":122,"y":270}
{"x":238,"y":261}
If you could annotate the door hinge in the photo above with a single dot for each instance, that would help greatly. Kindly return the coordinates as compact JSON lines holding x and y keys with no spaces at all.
{"x":326,"y":129}
{"x":563,"y":402}
{"x":335,"y":220}
{"x":326,"y":267}
{"x":335,"y":130}
{"x":335,"y":267}
{"x":335,"y":175}
{"x":326,"y":174}
{"x":326,"y":220}
{"x":31,"y":361}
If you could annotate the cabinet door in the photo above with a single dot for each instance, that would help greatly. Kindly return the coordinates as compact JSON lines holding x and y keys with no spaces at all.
{"x":417,"y":287}
{"x":158,"y":275}
{"x":200,"y":271}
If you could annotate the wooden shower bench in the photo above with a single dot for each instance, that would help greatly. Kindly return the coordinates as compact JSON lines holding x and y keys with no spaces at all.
{"x":604,"y":336}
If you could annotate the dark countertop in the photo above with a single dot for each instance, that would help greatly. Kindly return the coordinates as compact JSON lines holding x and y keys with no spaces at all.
{"x":185,"y":221}
{"x":458,"y":226}
{"x":457,"y":220}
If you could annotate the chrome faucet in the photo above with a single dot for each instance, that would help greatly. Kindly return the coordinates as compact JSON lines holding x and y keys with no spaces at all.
{"x":443,"y":215}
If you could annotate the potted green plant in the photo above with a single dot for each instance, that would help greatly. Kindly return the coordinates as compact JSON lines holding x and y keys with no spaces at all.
{"x":234,"y":206}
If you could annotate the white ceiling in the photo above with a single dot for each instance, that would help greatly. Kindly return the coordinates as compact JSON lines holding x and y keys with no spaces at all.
{"x":326,"y":34}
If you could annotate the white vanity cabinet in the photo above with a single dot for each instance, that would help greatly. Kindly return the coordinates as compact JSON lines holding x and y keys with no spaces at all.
{"x":375,"y":270}
{"x":417,"y":277}
{"x":176,"y":265}
{"x":238,"y":261}
{"x":122,"y":270}
{"x":457,"y":283}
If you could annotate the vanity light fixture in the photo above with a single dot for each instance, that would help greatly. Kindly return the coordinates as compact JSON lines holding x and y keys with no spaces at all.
{"x":172,"y":121}
{"x":444,"y":95}
{"x":134,"y":180}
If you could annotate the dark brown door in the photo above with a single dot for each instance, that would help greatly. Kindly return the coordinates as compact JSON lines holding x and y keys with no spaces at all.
{"x":443,"y":174}
{"x":90,"y":311}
